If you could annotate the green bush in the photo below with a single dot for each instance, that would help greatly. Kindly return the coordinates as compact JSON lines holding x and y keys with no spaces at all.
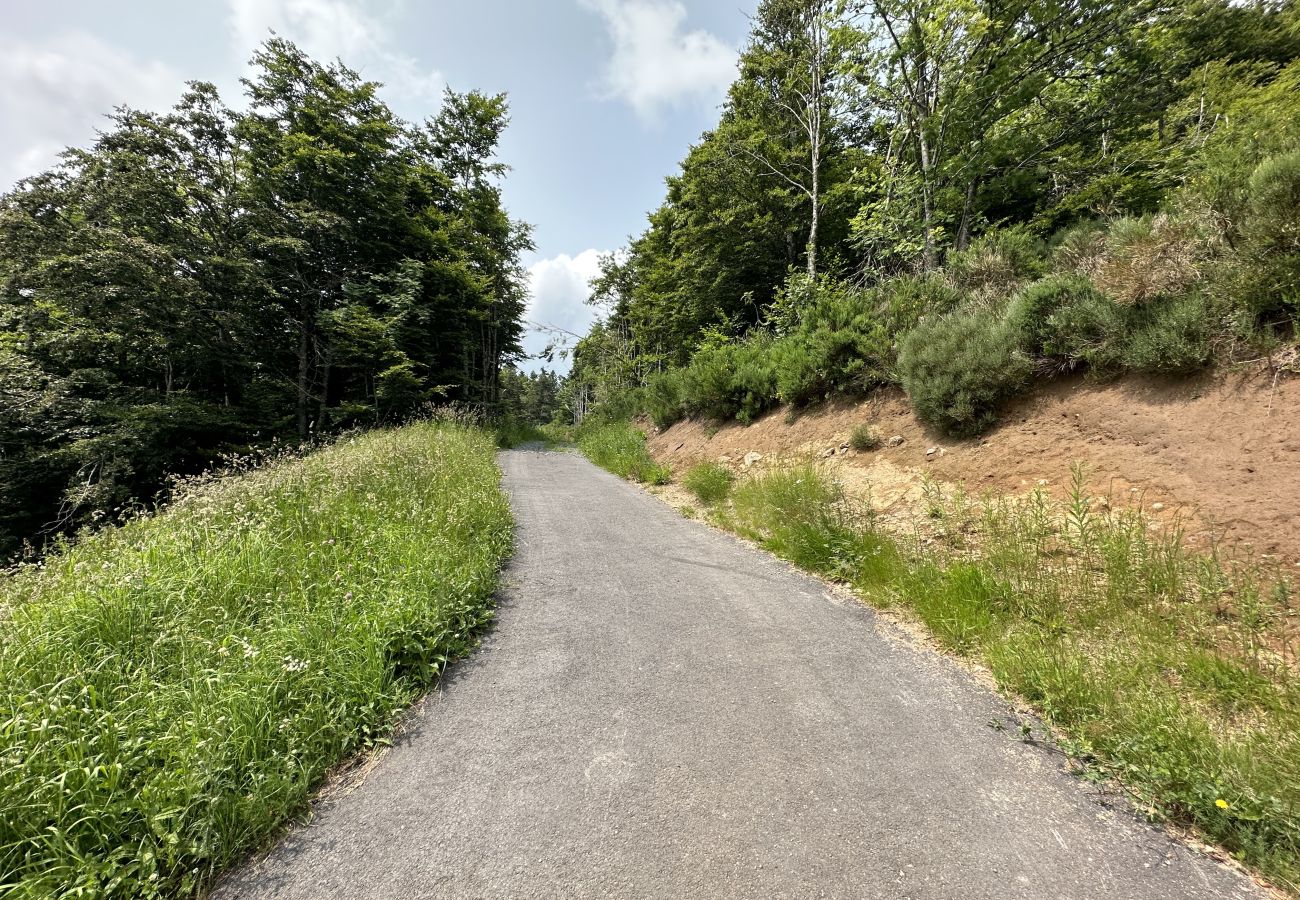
{"x":663,"y":398}
{"x":173,"y":689}
{"x":1170,"y":337}
{"x":1031,"y":310}
{"x":1079,"y":248}
{"x":958,"y":369}
{"x":709,"y":482}
{"x":864,"y":438}
{"x":997,"y":263}
{"x":754,"y":379}
{"x":1089,"y":331}
{"x":902,"y":301}
{"x":1272,"y":232}
{"x":1063,"y":322}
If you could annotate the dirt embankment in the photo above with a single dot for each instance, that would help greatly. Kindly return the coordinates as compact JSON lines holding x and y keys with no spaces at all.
{"x":1220,"y":452}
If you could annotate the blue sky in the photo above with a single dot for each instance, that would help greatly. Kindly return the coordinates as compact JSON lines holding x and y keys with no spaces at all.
{"x":606,"y":95}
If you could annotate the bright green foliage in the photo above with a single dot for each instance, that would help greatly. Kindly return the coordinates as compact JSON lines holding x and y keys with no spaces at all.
{"x":709,"y":482}
{"x":621,"y":449}
{"x":1147,"y":145}
{"x":959,"y":369}
{"x":173,"y":689}
{"x":1111,"y":629}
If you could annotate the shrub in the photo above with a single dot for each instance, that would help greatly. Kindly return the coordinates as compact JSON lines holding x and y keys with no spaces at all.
{"x":1154,"y":256}
{"x":903,"y":301}
{"x":842,"y":345}
{"x":1063,"y":322}
{"x":864,"y":439}
{"x":1272,"y":232}
{"x":707,"y":383}
{"x":754,"y":379}
{"x":663,"y":399}
{"x":958,"y":369}
{"x":997,"y":263}
{"x":709,"y":482}
{"x":1030,"y":311}
{"x":1169,"y":337}
{"x":1089,"y":330}
{"x":1079,"y":249}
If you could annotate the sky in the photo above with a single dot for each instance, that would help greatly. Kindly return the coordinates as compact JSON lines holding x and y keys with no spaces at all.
{"x":605,"y":95}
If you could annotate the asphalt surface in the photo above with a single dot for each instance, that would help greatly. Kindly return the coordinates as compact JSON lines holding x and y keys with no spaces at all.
{"x":662,"y":711}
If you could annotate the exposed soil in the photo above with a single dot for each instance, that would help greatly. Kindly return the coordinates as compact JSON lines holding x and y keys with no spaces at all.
{"x":1220,"y":452}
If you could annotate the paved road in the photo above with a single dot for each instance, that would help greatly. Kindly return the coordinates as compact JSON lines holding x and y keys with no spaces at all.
{"x":664,"y":712}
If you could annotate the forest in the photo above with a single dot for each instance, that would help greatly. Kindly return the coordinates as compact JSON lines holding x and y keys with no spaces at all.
{"x":204,"y":281}
{"x":965,"y":198}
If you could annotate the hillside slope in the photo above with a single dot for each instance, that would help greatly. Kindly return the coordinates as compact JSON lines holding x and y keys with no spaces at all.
{"x":1221,"y":452}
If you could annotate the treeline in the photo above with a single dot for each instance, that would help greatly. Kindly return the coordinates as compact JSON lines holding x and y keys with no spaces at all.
{"x":205,"y":279}
{"x":963,"y":198}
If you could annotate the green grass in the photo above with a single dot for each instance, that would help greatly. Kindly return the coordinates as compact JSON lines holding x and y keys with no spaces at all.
{"x":1164,"y":670}
{"x":621,"y":449}
{"x":511,"y":434}
{"x":709,"y":482}
{"x":171,"y":690}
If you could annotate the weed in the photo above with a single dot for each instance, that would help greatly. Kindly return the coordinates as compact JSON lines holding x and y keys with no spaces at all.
{"x":620,"y":448}
{"x":864,"y":439}
{"x":709,"y":482}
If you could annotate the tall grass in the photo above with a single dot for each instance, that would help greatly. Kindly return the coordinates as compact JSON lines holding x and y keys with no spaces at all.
{"x":171,"y":690}
{"x":621,"y":449}
{"x":1168,"y":671}
{"x":709,"y":482}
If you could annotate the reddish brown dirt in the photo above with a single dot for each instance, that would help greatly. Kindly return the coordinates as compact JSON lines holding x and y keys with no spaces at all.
{"x":1221,"y":452}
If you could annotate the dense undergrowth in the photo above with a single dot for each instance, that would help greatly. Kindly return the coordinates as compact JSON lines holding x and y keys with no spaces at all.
{"x":171,"y":690}
{"x":1152,"y":295}
{"x":1168,"y":671}
{"x":1214,"y":276}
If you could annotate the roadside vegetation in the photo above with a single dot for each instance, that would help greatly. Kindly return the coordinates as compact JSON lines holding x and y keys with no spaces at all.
{"x":1163,"y":671}
{"x":172,"y":690}
{"x":709,"y":482}
{"x":1129,"y":204}
{"x":621,"y":449}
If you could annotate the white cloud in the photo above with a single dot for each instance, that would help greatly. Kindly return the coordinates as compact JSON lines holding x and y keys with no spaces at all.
{"x":335,"y":29}
{"x":54,"y":93}
{"x":656,"y":63}
{"x":559,"y":288}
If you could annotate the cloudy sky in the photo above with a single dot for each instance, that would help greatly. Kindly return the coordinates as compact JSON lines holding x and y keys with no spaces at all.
{"x":605,"y":95}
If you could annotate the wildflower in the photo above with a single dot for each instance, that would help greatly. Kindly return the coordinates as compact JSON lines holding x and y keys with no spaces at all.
{"x":1221,"y":803}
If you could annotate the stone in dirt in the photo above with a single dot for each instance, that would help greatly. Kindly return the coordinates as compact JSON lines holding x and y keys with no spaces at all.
{"x":895,"y":441}
{"x":752,"y":457}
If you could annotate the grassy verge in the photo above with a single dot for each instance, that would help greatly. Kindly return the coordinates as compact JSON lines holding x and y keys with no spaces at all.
{"x":621,"y":449}
{"x":171,"y":690}
{"x":1167,"y":671}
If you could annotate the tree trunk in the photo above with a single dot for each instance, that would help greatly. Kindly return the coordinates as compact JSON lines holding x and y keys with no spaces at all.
{"x":967,"y":212}
{"x":304,"y":368}
{"x":928,"y":260}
